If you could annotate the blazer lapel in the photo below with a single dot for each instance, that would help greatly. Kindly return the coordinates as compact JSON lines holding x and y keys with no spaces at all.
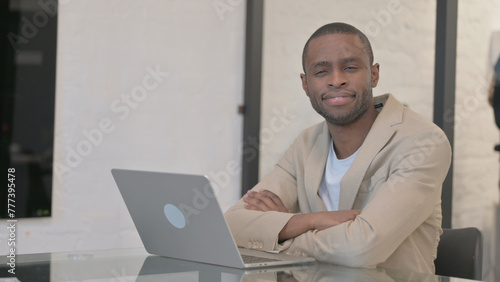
{"x":380,"y":133}
{"x":314,"y":169}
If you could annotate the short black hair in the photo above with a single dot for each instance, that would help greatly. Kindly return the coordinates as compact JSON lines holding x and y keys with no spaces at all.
{"x":338,"y":28}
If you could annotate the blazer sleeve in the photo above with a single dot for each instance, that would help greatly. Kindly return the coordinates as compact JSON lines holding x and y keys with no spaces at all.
{"x":399,"y":206}
{"x":260,"y":230}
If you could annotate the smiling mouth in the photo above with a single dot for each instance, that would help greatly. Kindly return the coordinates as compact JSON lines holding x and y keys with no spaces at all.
{"x":336,"y":96}
{"x":337,"y":100}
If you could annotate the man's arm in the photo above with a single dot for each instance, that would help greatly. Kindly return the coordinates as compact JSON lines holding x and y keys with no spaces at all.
{"x":254,"y":226}
{"x":265,"y":200}
{"x":249,"y":226}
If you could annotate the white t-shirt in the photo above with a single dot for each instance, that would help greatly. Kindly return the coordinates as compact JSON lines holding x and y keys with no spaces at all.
{"x":329,"y":189}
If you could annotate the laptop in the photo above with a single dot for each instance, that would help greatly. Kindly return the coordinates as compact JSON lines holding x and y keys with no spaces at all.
{"x":178,"y":216}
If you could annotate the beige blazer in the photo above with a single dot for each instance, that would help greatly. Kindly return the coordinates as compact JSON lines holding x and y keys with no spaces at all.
{"x":396,"y":180}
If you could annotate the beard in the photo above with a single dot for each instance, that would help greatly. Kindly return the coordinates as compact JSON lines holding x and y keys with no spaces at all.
{"x":353,"y":115}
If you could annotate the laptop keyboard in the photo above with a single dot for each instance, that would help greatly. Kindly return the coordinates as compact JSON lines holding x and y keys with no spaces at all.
{"x":254,"y":259}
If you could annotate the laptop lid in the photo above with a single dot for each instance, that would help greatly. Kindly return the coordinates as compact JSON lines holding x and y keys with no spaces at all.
{"x":178,"y":216}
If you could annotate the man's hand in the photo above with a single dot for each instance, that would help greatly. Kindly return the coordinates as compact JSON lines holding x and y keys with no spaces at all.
{"x":264,"y":200}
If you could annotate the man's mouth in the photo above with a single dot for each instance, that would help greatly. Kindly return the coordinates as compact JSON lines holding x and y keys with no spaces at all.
{"x":337,"y":99}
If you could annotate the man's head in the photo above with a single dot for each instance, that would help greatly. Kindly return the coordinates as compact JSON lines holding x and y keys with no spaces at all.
{"x":339,"y":73}
{"x":338,"y":28}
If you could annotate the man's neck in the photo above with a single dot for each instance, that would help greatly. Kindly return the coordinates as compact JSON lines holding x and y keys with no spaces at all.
{"x":348,"y":138}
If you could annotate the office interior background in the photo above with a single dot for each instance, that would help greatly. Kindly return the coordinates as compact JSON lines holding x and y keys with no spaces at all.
{"x":161,"y":83}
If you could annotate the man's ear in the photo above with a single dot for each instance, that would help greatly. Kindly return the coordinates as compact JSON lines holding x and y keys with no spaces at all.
{"x":304,"y":83}
{"x":375,"y":74}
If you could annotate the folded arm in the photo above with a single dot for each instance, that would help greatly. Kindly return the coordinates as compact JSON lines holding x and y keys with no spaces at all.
{"x":265,"y":200}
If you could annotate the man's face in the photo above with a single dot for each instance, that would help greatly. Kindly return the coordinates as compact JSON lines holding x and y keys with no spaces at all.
{"x":339,"y":78}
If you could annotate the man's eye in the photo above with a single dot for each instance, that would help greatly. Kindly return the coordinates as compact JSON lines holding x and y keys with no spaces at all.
{"x":320,"y":72}
{"x":350,"y":68}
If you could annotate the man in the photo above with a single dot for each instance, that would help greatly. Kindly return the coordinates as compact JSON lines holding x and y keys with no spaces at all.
{"x":361,"y":189}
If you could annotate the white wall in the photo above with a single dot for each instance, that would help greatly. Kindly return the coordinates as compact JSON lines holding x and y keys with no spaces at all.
{"x":189,"y":57}
{"x":402,"y":33}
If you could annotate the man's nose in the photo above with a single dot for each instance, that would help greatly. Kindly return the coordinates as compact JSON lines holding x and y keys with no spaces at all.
{"x":337,"y":79}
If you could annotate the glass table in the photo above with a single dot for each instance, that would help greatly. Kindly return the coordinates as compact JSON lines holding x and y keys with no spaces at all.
{"x":137,"y":265}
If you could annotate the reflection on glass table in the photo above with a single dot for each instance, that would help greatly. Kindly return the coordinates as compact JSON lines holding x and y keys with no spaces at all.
{"x":138,"y":265}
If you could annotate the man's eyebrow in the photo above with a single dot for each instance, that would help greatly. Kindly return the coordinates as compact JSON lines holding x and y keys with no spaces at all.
{"x":351,"y":59}
{"x":321,"y":64}
{"x":343,"y":60}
